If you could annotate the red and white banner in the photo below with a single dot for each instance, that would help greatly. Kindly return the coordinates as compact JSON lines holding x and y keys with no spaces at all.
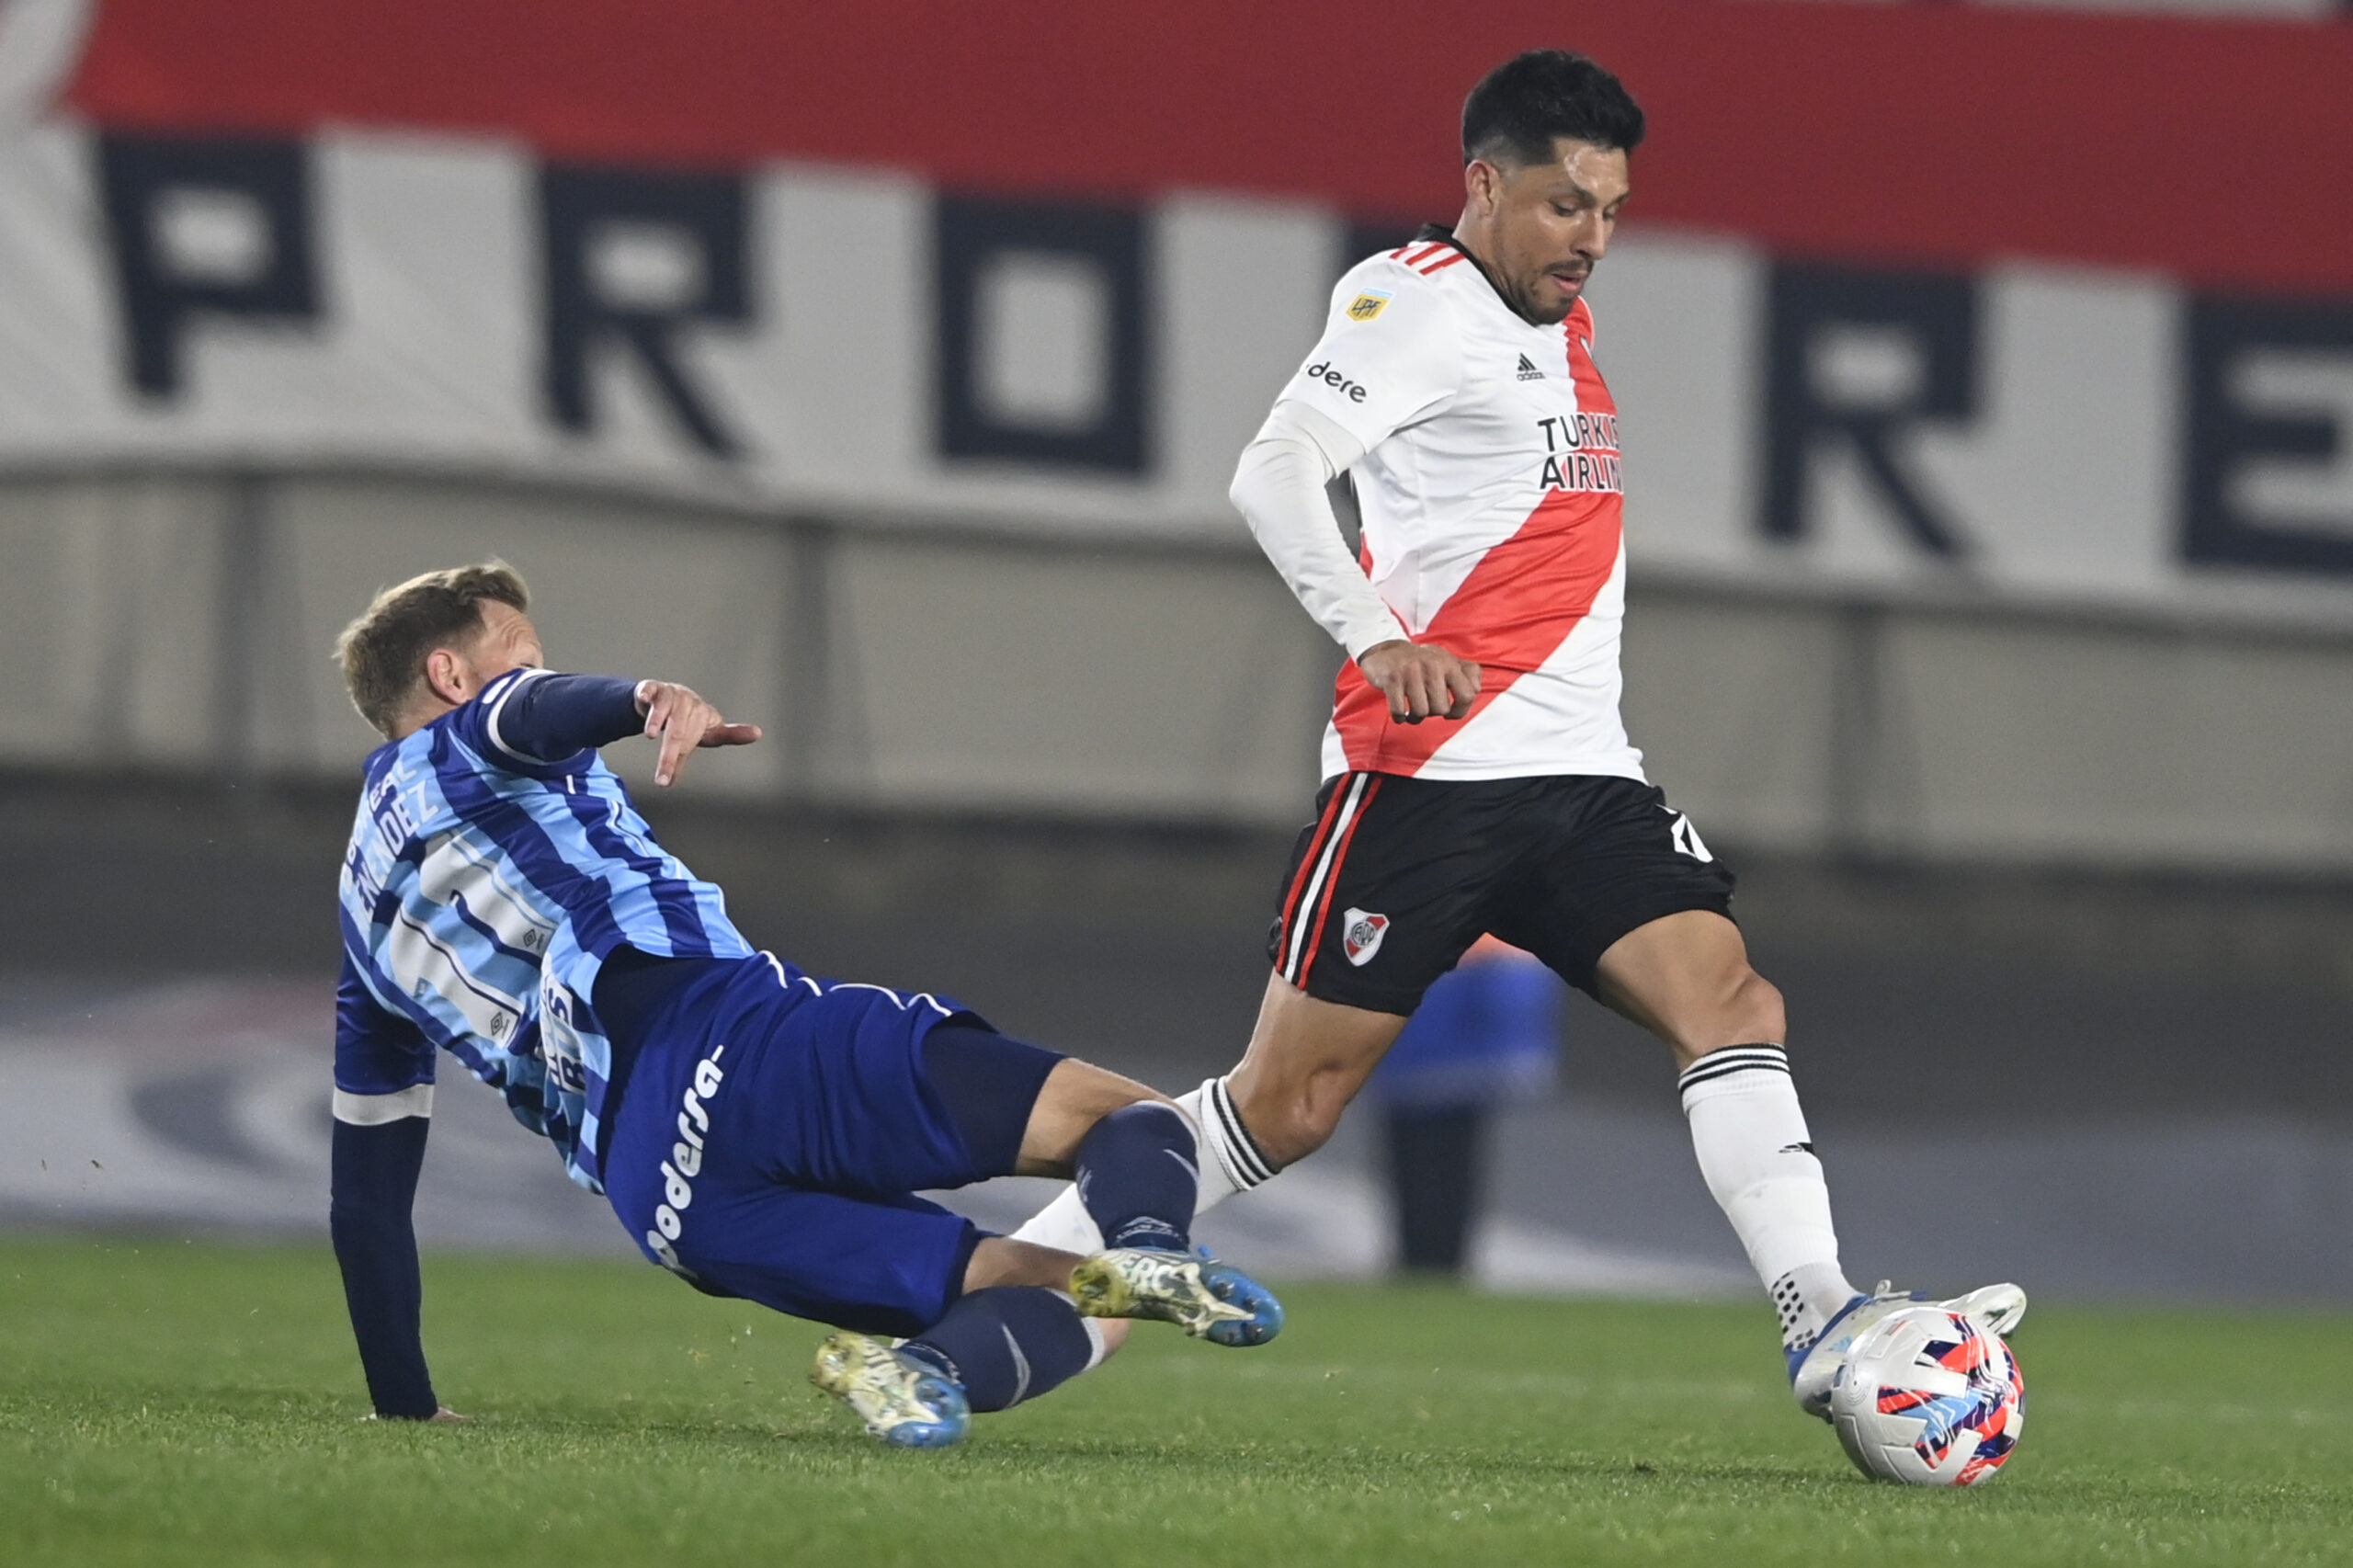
{"x":2212,"y":151}
{"x":2055,"y":304}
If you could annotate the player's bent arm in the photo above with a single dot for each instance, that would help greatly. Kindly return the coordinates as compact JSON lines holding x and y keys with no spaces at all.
{"x":1278,"y":487}
{"x":543,"y":716}
{"x":537,"y":719}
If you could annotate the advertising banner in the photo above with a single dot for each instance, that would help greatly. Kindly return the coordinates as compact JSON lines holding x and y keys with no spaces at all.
{"x":1955,"y":298}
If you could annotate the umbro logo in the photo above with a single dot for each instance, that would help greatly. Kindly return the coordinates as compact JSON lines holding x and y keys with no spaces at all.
{"x":1528,"y":370}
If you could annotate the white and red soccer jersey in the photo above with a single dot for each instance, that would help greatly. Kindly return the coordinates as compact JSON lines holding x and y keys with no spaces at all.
{"x":1493,"y":516}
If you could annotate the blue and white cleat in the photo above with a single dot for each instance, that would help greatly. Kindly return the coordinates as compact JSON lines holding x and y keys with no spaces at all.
{"x":1206,"y":1298}
{"x":907,"y":1403}
{"x":1996,"y":1309}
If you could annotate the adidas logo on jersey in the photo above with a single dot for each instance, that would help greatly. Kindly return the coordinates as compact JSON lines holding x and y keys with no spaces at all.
{"x":1528,"y":370}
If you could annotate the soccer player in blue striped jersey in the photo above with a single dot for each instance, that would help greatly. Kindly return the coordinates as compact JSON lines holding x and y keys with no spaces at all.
{"x":759,"y":1131}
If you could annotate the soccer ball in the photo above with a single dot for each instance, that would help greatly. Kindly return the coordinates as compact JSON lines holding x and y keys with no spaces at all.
{"x":1929,"y":1398}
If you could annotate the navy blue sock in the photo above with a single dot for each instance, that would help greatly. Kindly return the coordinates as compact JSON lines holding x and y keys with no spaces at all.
{"x":1139,"y":1177}
{"x":1008,"y":1343}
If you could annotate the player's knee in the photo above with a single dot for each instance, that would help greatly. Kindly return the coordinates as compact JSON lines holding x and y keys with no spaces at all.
{"x":1755,"y":1014}
{"x":1744,"y":1008}
{"x":1292,"y":1129}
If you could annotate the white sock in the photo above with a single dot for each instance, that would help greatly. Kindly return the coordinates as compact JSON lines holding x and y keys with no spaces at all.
{"x":1758,"y":1161}
{"x":1233,"y":1164}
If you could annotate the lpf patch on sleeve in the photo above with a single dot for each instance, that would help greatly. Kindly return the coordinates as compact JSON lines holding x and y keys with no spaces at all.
{"x":1367,"y":306}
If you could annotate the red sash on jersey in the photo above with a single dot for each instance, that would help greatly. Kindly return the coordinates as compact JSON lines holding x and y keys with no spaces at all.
{"x":1513,"y":611}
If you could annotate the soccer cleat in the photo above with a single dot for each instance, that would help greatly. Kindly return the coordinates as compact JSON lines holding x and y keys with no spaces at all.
{"x":1996,"y":1309}
{"x":1206,"y":1298}
{"x":907,"y":1403}
{"x":1264,"y":1314}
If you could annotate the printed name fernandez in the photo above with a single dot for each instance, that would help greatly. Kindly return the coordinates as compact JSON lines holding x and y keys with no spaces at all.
{"x":393,"y":827}
{"x":1581,"y":453}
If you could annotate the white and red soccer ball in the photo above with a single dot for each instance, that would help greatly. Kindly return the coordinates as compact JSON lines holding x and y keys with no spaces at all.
{"x":1929,"y":1398}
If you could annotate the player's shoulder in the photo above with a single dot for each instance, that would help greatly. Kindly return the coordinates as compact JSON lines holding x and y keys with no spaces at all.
{"x":1388,"y":312}
{"x":480,"y":715}
{"x":483,"y":744}
{"x":1394,"y":284}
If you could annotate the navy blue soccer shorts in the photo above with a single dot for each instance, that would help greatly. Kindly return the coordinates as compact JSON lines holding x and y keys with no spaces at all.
{"x":776,"y":1128}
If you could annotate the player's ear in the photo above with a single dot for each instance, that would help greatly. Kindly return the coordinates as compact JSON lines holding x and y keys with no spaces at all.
{"x":446,"y":674}
{"x":1481,"y":184}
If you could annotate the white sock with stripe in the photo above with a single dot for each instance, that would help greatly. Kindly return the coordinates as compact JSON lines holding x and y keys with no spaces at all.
{"x":1232,"y":1164}
{"x":1758,"y":1161}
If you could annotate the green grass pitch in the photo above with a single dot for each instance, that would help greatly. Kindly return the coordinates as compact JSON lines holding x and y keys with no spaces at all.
{"x":163,"y":1402}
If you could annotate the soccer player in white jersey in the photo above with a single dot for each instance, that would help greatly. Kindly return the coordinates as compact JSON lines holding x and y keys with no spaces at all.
{"x":1477,"y":777}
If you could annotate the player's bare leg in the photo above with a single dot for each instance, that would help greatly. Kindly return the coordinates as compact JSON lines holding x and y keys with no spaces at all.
{"x":1307,"y":1060}
{"x":1077,"y":1095}
{"x":1685,"y":978}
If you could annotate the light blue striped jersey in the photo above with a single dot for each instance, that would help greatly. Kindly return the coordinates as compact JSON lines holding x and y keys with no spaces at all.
{"x":483,"y":890}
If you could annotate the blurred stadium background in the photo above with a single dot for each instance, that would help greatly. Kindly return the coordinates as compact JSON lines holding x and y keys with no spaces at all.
{"x":1987,"y":377}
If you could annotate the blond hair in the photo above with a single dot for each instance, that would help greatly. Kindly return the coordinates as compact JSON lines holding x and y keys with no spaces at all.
{"x":383,"y":652}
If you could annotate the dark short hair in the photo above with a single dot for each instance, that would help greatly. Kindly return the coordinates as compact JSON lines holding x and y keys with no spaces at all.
{"x":1520,"y":107}
{"x":382,"y":653}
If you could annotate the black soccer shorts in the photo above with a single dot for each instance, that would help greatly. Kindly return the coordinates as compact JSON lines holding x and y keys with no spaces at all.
{"x":1396,"y":877}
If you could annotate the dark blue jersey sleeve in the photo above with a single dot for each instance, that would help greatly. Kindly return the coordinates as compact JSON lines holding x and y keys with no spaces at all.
{"x":536,"y":721}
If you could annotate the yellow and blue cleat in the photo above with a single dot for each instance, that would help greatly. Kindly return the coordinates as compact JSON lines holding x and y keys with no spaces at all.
{"x":1206,"y":1298}
{"x":905,"y":1401}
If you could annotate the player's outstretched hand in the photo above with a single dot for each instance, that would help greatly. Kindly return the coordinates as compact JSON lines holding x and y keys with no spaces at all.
{"x":1420,"y":681}
{"x":682,"y":721}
